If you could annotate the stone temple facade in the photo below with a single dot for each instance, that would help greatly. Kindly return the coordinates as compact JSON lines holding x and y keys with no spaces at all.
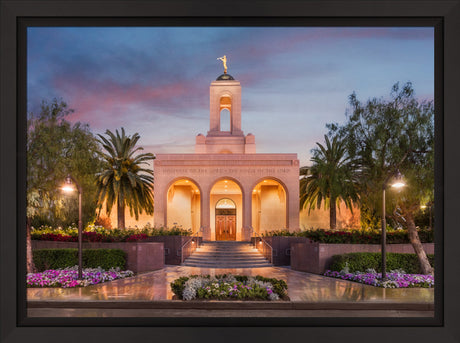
{"x":225,"y":189}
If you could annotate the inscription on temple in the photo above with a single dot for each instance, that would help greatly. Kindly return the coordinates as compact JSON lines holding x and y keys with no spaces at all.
{"x":216,"y":171}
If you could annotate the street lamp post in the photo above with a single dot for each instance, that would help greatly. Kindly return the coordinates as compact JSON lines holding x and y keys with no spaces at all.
{"x":69,"y":180}
{"x":431,"y":216}
{"x":384,"y":235}
{"x":429,"y":205}
{"x":398,"y":183}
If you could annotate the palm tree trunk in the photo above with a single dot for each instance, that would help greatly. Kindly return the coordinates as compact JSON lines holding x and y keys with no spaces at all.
{"x":417,"y":245}
{"x":30,"y":258}
{"x":121,"y":214}
{"x":333,"y":215}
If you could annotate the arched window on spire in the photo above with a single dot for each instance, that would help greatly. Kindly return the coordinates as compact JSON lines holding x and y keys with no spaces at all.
{"x":225,"y":113}
{"x":225,"y":124}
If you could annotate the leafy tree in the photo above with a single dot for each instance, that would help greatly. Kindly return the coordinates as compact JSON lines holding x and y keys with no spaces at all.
{"x":331,"y":179}
{"x":123,"y":181}
{"x":390,"y":135}
{"x":56,"y":148}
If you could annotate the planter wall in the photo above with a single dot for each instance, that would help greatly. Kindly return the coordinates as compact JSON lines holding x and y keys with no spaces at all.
{"x":315,"y":257}
{"x":172,"y":246}
{"x":140,"y":256}
{"x":281,"y":246}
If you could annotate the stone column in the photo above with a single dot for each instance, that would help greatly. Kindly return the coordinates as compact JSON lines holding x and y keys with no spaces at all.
{"x":246,"y":231}
{"x":205,"y":216}
{"x":293,"y":209}
{"x":160,"y":199}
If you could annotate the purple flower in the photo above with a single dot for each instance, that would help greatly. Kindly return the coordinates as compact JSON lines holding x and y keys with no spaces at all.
{"x":68,"y":278}
{"x":394,"y":279}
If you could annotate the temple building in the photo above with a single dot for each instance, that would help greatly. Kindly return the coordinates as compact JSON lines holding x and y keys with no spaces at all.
{"x":225,"y":189}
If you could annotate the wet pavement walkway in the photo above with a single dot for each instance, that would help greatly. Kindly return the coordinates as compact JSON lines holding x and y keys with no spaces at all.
{"x":308,"y":292}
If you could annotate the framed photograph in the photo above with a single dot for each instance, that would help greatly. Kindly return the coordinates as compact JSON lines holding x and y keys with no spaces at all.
{"x":233,"y":107}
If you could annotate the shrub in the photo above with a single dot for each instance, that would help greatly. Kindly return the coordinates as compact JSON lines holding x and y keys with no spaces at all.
{"x":92,"y":258}
{"x":227,"y":286}
{"x":283,"y":232}
{"x":45,"y":259}
{"x":279,"y":286}
{"x":362,"y":261}
{"x":94,"y":233}
{"x":355,"y":236}
{"x":174,"y":231}
{"x":178,"y":285}
{"x":137,"y":237}
{"x":241,"y":278}
{"x":54,"y":237}
{"x":105,"y":222}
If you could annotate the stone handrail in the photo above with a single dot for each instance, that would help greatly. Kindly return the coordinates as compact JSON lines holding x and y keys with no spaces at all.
{"x":267,"y":249}
{"x":189,"y":247}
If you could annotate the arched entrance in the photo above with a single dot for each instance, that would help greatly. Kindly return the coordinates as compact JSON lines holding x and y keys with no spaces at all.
{"x":183,"y":205}
{"x":226,"y":210}
{"x":269,"y":206}
{"x":225,"y":220}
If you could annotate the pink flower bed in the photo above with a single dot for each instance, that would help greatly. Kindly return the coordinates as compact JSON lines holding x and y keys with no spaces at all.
{"x":68,"y":277}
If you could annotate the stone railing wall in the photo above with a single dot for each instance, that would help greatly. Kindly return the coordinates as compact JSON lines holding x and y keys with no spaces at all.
{"x":315,"y":257}
{"x":140,"y":256}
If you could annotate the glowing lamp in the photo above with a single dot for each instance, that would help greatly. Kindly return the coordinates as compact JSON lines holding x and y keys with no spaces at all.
{"x":398,"y":185}
{"x":68,"y":188}
{"x":398,"y":181}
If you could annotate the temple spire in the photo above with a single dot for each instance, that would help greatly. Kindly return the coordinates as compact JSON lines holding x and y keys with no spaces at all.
{"x":224,"y":62}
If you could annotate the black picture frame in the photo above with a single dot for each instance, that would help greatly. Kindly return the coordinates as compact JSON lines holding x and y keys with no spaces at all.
{"x":15,"y":328}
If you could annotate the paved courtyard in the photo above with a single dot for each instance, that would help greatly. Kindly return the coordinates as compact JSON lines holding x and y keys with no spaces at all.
{"x":149,"y":294}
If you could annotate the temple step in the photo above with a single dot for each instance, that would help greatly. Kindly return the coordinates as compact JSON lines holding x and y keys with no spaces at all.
{"x":227,"y":255}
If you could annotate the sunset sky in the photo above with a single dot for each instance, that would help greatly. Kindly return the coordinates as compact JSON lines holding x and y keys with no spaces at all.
{"x":155,"y":81}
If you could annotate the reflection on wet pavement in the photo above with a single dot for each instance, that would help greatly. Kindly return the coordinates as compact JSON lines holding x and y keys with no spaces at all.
{"x":302,"y":287}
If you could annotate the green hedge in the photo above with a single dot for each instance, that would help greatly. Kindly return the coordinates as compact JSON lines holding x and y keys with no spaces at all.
{"x":100,"y":234}
{"x":178,"y":285}
{"x":360,"y":261}
{"x":92,"y":258}
{"x":355,"y":236}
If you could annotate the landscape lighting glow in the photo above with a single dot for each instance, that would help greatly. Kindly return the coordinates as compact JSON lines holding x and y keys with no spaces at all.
{"x":68,"y":188}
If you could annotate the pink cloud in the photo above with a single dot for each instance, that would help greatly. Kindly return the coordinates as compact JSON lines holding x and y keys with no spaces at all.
{"x":92,"y":97}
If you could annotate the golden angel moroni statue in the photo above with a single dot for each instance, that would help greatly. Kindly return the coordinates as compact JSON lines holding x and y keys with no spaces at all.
{"x":224,"y":61}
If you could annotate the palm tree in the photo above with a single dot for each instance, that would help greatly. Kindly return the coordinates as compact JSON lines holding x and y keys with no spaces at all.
{"x":123,"y":181}
{"x":332,"y":178}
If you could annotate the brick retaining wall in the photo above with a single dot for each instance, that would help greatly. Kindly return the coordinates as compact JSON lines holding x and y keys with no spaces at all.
{"x":281,"y":246}
{"x":172,"y":246}
{"x":315,"y":257}
{"x":140,"y":256}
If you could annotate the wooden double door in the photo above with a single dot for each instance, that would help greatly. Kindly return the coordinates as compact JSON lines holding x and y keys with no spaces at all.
{"x":225,"y":225}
